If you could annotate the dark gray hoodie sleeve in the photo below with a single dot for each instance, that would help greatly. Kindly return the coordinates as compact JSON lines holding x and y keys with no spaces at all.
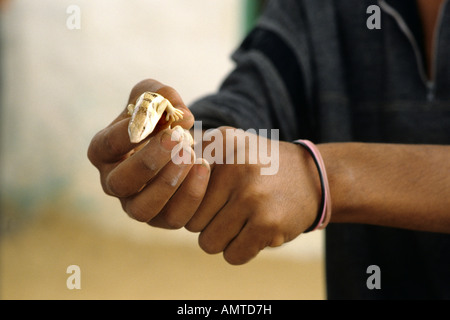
{"x":268,"y":87}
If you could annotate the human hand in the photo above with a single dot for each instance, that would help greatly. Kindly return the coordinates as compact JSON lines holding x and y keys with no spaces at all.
{"x":142,"y":176}
{"x":244,"y":211}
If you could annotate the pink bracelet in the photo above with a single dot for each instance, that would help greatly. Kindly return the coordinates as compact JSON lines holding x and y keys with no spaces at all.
{"x":323,"y":218}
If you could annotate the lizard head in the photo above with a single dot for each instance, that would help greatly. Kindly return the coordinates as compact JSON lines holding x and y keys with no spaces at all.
{"x":145,"y":115}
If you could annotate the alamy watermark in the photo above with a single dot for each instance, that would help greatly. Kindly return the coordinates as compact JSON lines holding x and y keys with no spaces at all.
{"x":374,"y":20}
{"x":231,"y":146}
{"x":74,"y":280}
{"x":73,"y":21}
{"x":374,"y":280}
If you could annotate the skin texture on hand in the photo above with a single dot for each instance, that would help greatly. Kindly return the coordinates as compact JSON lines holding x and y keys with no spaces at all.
{"x":244,"y":211}
{"x":234,"y":208}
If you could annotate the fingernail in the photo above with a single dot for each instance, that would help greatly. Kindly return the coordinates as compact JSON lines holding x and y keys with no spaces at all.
{"x":183,"y":155}
{"x":177,"y":134}
{"x":203,"y":169}
{"x":170,"y":140}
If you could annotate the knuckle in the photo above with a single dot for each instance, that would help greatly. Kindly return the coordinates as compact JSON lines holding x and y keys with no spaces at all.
{"x":193,"y":227}
{"x":144,"y":85}
{"x":110,"y":144}
{"x":269,"y":224}
{"x":271,"y":229}
{"x":254,"y":195}
{"x":174,"y":221}
{"x":277,"y":240}
{"x":106,"y":188}
{"x":115,"y":186}
{"x":194,"y":195}
{"x":208,"y":245}
{"x":138,"y":212}
{"x":148,"y":163}
{"x":189,"y":121}
{"x":168,"y":182}
{"x":234,"y":258}
{"x":171,"y":179}
{"x":92,"y":152}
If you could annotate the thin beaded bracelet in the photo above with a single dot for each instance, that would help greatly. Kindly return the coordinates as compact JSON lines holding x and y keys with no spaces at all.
{"x":324,"y":215}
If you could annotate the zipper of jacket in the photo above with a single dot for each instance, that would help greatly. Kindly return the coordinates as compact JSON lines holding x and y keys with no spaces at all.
{"x":436,"y":37}
{"x":428,"y":82}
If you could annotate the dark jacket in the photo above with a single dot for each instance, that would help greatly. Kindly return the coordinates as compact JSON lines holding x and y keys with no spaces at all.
{"x":314,"y":70}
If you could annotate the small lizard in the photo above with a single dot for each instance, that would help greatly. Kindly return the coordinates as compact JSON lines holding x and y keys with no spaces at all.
{"x":147,"y":112}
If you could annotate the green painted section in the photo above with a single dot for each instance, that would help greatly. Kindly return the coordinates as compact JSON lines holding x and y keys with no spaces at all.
{"x":252,"y":10}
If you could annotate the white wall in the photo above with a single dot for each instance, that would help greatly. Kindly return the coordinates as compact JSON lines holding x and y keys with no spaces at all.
{"x":61,"y":86}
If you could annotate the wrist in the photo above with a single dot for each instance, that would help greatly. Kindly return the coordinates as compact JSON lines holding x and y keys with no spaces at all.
{"x":341,"y":180}
{"x":324,"y":213}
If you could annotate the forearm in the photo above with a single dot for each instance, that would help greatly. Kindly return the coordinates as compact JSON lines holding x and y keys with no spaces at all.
{"x":405,"y":186}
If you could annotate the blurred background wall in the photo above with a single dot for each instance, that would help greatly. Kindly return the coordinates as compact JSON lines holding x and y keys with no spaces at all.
{"x":59,"y":87}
